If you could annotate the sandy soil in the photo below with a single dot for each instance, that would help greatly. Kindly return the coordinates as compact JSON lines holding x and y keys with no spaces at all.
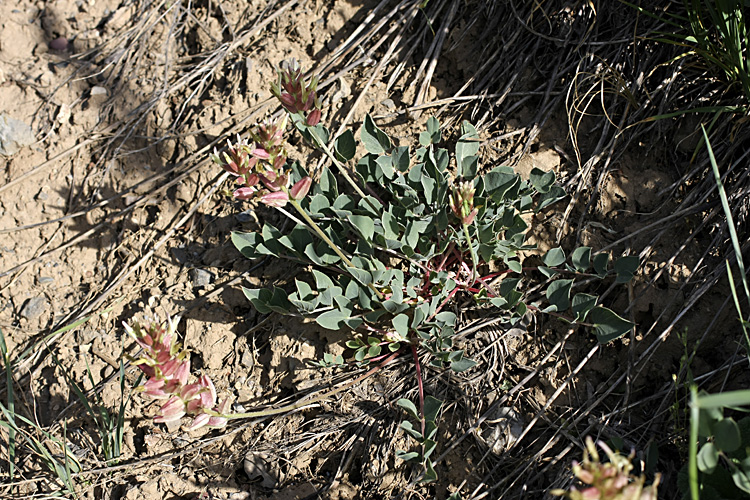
{"x":114,"y":211}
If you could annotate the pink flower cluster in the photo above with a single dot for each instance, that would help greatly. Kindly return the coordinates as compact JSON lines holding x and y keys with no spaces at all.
{"x":167,"y":366}
{"x":296,"y":95}
{"x":260,"y":168}
{"x":608,"y":480}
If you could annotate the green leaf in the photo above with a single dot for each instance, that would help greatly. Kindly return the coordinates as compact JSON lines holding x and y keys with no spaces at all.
{"x":334,"y":319}
{"x":432,"y":134}
{"x":601,"y":261}
{"x":401,"y":324}
{"x":430,"y":475}
{"x":407,"y":456}
{"x":625,"y":267}
{"x":247,"y":243}
{"x":608,"y":325}
{"x":582,"y":304}
{"x":466,"y":147}
{"x":462,"y":364}
{"x":727,"y":435}
{"x":345,"y":146}
{"x":365,"y":225}
{"x":375,"y":140}
{"x":555,"y":194}
{"x":541,"y":180}
{"x":410,"y":407}
{"x":514,"y":266}
{"x":390,"y":226}
{"x":401,"y":158}
{"x":581,"y":258}
{"x":431,"y":408}
{"x":555,"y":257}
{"x":708,"y":458}
{"x":558,"y":294}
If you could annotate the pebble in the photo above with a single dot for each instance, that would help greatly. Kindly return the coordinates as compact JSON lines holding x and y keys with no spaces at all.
{"x":388,"y":103}
{"x":34,"y":307}
{"x":60,"y":44}
{"x":246,"y":216}
{"x":14,"y":134}
{"x":43,"y":280}
{"x":201,"y":278}
{"x":180,"y":254}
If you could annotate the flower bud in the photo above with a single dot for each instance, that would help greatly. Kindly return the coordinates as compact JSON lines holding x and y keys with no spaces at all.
{"x":275,"y":199}
{"x":300,"y":188}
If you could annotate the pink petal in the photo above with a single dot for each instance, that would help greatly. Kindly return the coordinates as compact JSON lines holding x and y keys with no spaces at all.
{"x":244,"y":193}
{"x":313,"y":118}
{"x":206,"y":382}
{"x":260,"y":153}
{"x":199,"y":421}
{"x":300,"y":188}
{"x":275,"y":199}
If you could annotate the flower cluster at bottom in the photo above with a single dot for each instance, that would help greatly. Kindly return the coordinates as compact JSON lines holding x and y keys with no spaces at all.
{"x":167,"y":366}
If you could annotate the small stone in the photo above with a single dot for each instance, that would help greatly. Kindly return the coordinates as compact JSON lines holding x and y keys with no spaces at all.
{"x":247,"y":359}
{"x":388,"y":103}
{"x":34,"y":307}
{"x":180,"y":254}
{"x":44,"y":280}
{"x":59,"y":44}
{"x":246,"y":216}
{"x":201,"y":278}
{"x":98,"y":91}
{"x":14,"y":134}
{"x":42,"y":195}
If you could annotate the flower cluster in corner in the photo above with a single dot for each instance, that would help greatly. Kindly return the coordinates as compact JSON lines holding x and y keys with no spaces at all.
{"x":167,"y":366}
{"x":608,"y":480}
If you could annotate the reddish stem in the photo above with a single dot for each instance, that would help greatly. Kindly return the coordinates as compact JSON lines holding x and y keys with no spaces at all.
{"x":421,"y":386}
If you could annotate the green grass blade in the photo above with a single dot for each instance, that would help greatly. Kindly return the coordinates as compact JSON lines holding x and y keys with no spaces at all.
{"x":11,"y":406}
{"x":728,"y":213}
{"x":732,"y":399}
{"x":693,"y":446}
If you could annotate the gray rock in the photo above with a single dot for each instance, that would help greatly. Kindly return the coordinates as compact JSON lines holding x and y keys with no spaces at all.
{"x":34,"y":307}
{"x":14,"y":134}
{"x":388,"y":103}
{"x":201,"y":278}
{"x":43,"y":280}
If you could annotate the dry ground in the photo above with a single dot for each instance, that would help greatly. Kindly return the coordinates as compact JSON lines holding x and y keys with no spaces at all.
{"x":115,"y":211}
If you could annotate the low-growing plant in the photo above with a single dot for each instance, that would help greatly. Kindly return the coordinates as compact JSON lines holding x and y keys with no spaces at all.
{"x":389,"y":258}
{"x":610,"y":480}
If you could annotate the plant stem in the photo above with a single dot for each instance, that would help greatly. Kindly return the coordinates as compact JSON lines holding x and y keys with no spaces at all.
{"x":305,"y":402}
{"x":335,"y":161}
{"x":330,"y":243}
{"x":420,"y":385}
{"x":471,"y":251}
